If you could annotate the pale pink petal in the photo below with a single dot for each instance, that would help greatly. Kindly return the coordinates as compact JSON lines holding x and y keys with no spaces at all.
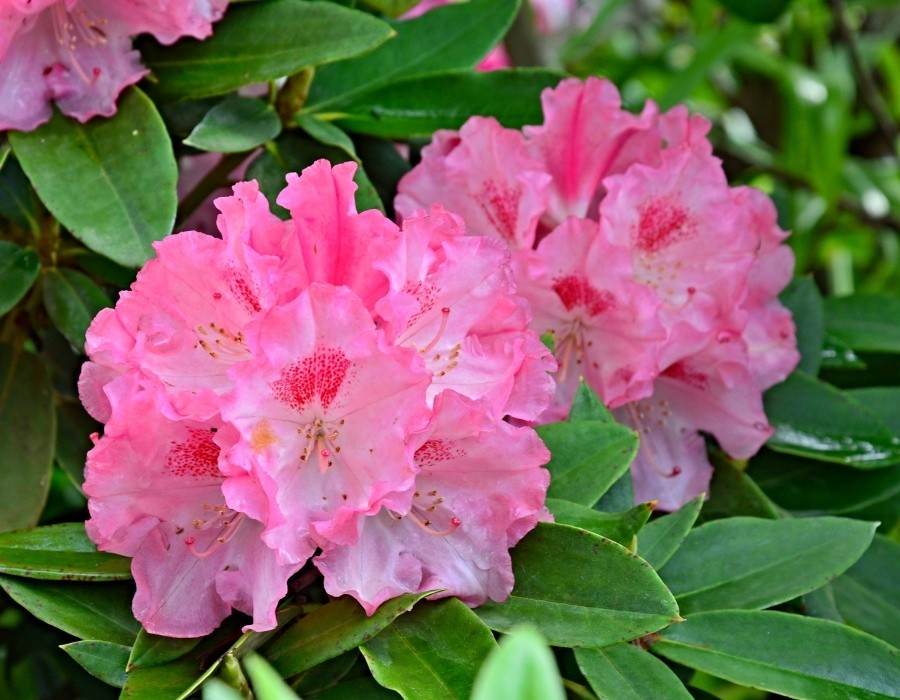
{"x":771,"y":343}
{"x":168,"y":20}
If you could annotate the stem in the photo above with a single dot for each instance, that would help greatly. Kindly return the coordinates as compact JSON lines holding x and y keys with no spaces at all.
{"x":521,"y":41}
{"x":212,"y":181}
{"x":293,"y":94}
{"x":577,"y":690}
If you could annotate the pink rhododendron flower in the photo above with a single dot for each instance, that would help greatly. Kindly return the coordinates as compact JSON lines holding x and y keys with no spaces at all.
{"x":657,"y":280}
{"x":77,"y":53}
{"x":286,"y":387}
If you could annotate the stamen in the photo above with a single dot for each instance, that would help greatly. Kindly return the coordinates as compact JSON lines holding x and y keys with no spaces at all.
{"x":445,"y":314}
{"x":426,"y":525}
{"x":229,"y":525}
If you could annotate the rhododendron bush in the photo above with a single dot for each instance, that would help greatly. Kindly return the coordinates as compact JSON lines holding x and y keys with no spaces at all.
{"x":445,"y":350}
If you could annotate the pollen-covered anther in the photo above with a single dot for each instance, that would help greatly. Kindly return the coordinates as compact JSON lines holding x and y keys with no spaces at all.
{"x":445,"y":314}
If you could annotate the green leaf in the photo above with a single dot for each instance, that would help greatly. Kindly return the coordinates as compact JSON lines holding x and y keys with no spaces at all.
{"x":111,"y":182}
{"x":836,"y":354}
{"x":660,"y":538}
{"x":59,"y":552}
{"x":331,"y":630}
{"x":74,"y":428}
{"x":732,"y":492}
{"x":100,"y":611}
{"x":267,"y":684}
{"x":394,"y":8}
{"x":619,"y":527}
{"x":214,"y":689}
{"x":416,"y":107}
{"x":235,"y":124}
{"x":522,"y":668}
{"x":865,"y":323}
{"x":17,"y":201}
{"x":588,"y":406}
{"x":884,"y":402}
{"x":261,"y":41}
{"x":749,"y":563}
{"x":72,"y":300}
{"x":802,"y":297}
{"x":154,"y":650}
{"x":432,"y":652}
{"x":166,"y":681}
{"x":627,"y":672}
{"x":102,"y":660}
{"x":357,"y":689}
{"x":868,"y":594}
{"x":759,"y":11}
{"x":795,"y":656}
{"x":587,"y":457}
{"x":327,"y":133}
{"x":18,"y":270}
{"x":814,"y":419}
{"x":580,"y":589}
{"x":27,"y":438}
{"x":457,"y":36}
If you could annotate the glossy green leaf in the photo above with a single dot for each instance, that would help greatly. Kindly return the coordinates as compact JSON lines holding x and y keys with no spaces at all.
{"x":884,"y":402}
{"x":804,"y":300}
{"x":261,"y":41}
{"x":59,"y":552}
{"x":331,"y":630}
{"x":166,"y":681}
{"x":761,"y":11}
{"x":868,"y":594}
{"x":660,"y":538}
{"x":154,"y":650}
{"x":235,"y":124}
{"x":814,"y":419}
{"x":416,"y":107}
{"x":433,"y":652}
{"x":865,"y":323}
{"x":749,"y":563}
{"x":619,"y":527}
{"x":102,"y":660}
{"x":111,"y":182}
{"x":587,"y":457}
{"x":100,"y":611}
{"x":796,"y":656}
{"x":836,"y":354}
{"x":328,"y":134}
{"x":627,"y":672}
{"x":579,"y":589}
{"x":453,"y":37}
{"x":27,"y":438}
{"x":326,"y":674}
{"x":72,"y":300}
{"x":267,"y":684}
{"x":588,"y":406}
{"x":18,"y":270}
{"x":521,"y":668}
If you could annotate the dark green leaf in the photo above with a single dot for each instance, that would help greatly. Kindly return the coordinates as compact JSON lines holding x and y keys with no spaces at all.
{"x":619,"y":527}
{"x":627,"y":672}
{"x":394,"y":8}
{"x":802,"y":297}
{"x":27,"y":438}
{"x":154,"y":650}
{"x":432,"y":652}
{"x":814,"y":419}
{"x":331,"y":630}
{"x":884,"y":402}
{"x":447,"y":38}
{"x":787,"y":654}
{"x":416,"y":107}
{"x":749,"y":563}
{"x":262,"y":41}
{"x":17,"y":201}
{"x":18,"y":270}
{"x":867,"y":323}
{"x":327,"y":133}
{"x":235,"y":124}
{"x":74,"y":428}
{"x":660,"y":538}
{"x":357,"y":689}
{"x":111,"y":182}
{"x":72,"y":300}
{"x":732,"y":492}
{"x":165,"y":682}
{"x":522,"y":668}
{"x":620,"y":495}
{"x":760,"y":11}
{"x":579,"y":589}
{"x":102,"y":660}
{"x":59,"y":552}
{"x":100,"y":611}
{"x":836,"y":354}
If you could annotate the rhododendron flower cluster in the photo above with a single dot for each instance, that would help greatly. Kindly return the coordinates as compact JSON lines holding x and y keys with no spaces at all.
{"x":328,"y":383}
{"x":656,"y":279}
{"x":77,"y":53}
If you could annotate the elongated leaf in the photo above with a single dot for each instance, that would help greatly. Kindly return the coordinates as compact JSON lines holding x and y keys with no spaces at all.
{"x":357,"y":689}
{"x":802,"y":297}
{"x":261,"y":41}
{"x":660,"y":538}
{"x":100,"y":611}
{"x":579,"y":589}
{"x":884,"y":402}
{"x":416,"y":107}
{"x":235,"y":124}
{"x":447,"y":38}
{"x":17,"y":201}
{"x":27,"y":438}
{"x":867,"y":323}
{"x":166,"y":681}
{"x":756,"y":10}
{"x":868,"y":594}
{"x":102,"y":660}
{"x":837,"y":354}
{"x":267,"y":684}
{"x":747,"y":563}
{"x":59,"y":552}
{"x":154,"y":650}
{"x":74,"y":428}
{"x":732,"y":492}
{"x":111,"y":182}
{"x":814,"y":419}
{"x":522,"y":668}
{"x":796,"y":656}
{"x":72,"y":300}
{"x":18,"y":270}
{"x":619,"y":527}
{"x":587,"y":406}
{"x":331,"y":630}
{"x":432,"y":652}
{"x":627,"y":672}
{"x":328,"y":134}
{"x":394,"y":8}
